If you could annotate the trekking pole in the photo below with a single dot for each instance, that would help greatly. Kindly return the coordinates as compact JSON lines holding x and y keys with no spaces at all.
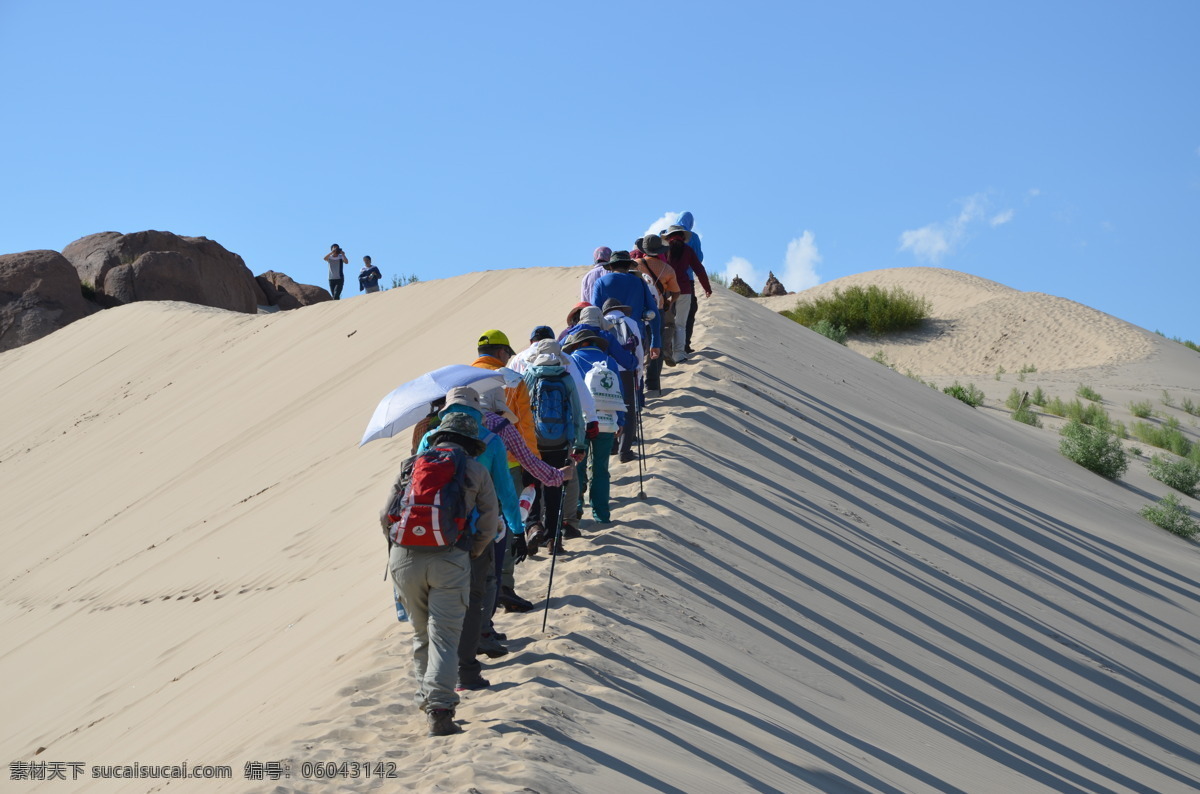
{"x":554,"y":544}
{"x":641,"y":450}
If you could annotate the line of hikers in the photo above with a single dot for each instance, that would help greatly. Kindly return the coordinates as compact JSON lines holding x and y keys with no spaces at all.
{"x":498,"y":476}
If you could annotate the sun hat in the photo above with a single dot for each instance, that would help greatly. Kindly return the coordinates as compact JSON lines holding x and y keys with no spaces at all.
{"x":493,"y":401}
{"x":612,"y":304}
{"x":465,"y":396}
{"x":548,"y":353}
{"x":620,"y":258}
{"x":652,"y":244}
{"x":582,"y":337}
{"x":541,"y":332}
{"x":601,"y":254}
{"x":677,"y":229}
{"x":573,"y":315}
{"x":592,"y":315}
{"x":461,"y":429}
{"x":494,"y":337}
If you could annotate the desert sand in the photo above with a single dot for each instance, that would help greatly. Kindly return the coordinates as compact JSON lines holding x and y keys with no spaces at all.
{"x":841,"y":579}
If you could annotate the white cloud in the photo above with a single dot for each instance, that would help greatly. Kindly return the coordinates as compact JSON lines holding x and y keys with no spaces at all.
{"x":1035,"y":192}
{"x":800,"y":263}
{"x":931,"y":243}
{"x":740,"y":266}
{"x":799,"y":271}
{"x":662,"y":223}
{"x":1001,"y":218}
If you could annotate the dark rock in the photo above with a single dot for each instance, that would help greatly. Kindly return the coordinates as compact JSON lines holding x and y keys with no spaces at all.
{"x":742,"y":288}
{"x":39,"y":293}
{"x":773,"y":288}
{"x":282,"y":291}
{"x":155,"y":265}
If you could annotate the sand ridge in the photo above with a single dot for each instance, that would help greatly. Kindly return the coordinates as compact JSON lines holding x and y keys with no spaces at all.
{"x":842,"y":580}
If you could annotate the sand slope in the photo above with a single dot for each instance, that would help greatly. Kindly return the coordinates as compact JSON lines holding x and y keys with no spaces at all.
{"x":842,"y":580}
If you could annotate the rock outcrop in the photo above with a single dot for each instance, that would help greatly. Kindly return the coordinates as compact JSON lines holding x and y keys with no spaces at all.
{"x":742,"y":288}
{"x":39,"y":293}
{"x":280,"y":290}
{"x":153,"y":265}
{"x":773,"y":288}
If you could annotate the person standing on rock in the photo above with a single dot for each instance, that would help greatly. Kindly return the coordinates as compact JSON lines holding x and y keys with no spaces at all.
{"x":337,"y":277}
{"x":368,"y":277}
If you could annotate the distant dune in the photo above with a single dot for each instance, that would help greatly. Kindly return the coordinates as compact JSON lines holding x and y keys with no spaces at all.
{"x":842,"y":580}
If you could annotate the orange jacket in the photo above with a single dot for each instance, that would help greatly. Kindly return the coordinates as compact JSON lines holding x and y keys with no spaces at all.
{"x":518,"y":402}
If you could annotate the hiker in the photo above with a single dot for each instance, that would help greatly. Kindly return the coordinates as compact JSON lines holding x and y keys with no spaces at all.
{"x":684,"y":262}
{"x":521,"y":361}
{"x":561,"y":438}
{"x":661,"y":278}
{"x":336,"y":259}
{"x":465,"y":400}
{"x":685,"y":220}
{"x":628,"y":333}
{"x":433,"y":580}
{"x":589,"y":350}
{"x":495,"y":352}
{"x":368,"y":277}
{"x":498,"y":418}
{"x":599,"y":259}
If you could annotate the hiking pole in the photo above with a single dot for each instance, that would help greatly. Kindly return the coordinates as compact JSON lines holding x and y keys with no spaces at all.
{"x":641,"y":451}
{"x":554,"y":546}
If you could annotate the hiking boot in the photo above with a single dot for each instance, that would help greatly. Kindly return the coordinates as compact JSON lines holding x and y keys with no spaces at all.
{"x":688,"y":350}
{"x":571,"y":532}
{"x":500,"y":635}
{"x":626,"y":457}
{"x":556,"y":548}
{"x":491,"y":647}
{"x":441,"y":722}
{"x":669,"y":361}
{"x":472,"y":683}
{"x":534,"y":539}
{"x":513,"y":602}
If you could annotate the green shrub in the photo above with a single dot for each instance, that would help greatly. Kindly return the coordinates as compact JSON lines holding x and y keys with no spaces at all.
{"x":88,"y":290}
{"x":401,"y":280}
{"x":1023,"y":414}
{"x":1190,"y":407}
{"x":969,"y":394}
{"x":1182,"y":475}
{"x":880,"y":358}
{"x":1166,"y":436}
{"x":1088,"y":393}
{"x":1167,"y":399}
{"x":872,"y":309}
{"x":1141,"y":409}
{"x":1013,"y":400}
{"x":1094,"y":449}
{"x":1000,"y":370}
{"x":1090,"y":414}
{"x":1172,"y":516}
{"x":837,"y":333}
{"x":1038,"y":397}
{"x":719,"y":278}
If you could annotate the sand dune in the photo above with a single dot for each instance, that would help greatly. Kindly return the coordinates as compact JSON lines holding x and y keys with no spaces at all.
{"x":841,"y":581}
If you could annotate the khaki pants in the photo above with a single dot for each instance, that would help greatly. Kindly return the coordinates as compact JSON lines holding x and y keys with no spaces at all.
{"x":434,"y":586}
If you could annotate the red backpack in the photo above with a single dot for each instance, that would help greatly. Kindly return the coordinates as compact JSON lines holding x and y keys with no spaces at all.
{"x":428,"y":508}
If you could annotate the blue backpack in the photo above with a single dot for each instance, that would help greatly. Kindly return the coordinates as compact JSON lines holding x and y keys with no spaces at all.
{"x":550,"y":400}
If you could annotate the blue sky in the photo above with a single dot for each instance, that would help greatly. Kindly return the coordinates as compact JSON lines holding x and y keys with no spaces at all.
{"x":1049,"y":146}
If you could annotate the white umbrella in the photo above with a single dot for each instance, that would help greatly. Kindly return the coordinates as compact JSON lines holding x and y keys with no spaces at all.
{"x":408,"y":404}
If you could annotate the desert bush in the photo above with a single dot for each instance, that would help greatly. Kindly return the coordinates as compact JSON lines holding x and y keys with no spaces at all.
{"x":1182,"y":475}
{"x":1167,"y":399}
{"x":1090,"y":414}
{"x":837,"y":333}
{"x":401,"y":280}
{"x":881,"y":358}
{"x":1013,"y":400}
{"x":1038,"y":397}
{"x":1000,"y":370}
{"x":1190,"y":407}
{"x":1024,"y":414}
{"x":872,"y":309}
{"x":719,"y":278}
{"x":1088,"y":393}
{"x":970,"y":394}
{"x":1141,"y":409}
{"x":1094,"y":449}
{"x":1171,"y":515}
{"x":1166,"y":436}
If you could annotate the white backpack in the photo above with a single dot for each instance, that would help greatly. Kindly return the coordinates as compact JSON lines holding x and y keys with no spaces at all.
{"x":605,"y":386}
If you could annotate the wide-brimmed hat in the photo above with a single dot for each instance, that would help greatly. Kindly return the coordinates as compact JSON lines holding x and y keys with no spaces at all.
{"x":612,"y":304}
{"x":494,"y":337}
{"x":465,"y":396}
{"x":601,"y":254}
{"x":677,"y":229}
{"x":593,"y":315}
{"x":493,"y":400}
{"x":582,"y":337}
{"x":459,"y":428}
{"x":652,"y":244}
{"x":619,"y":258}
{"x":547,"y":353}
